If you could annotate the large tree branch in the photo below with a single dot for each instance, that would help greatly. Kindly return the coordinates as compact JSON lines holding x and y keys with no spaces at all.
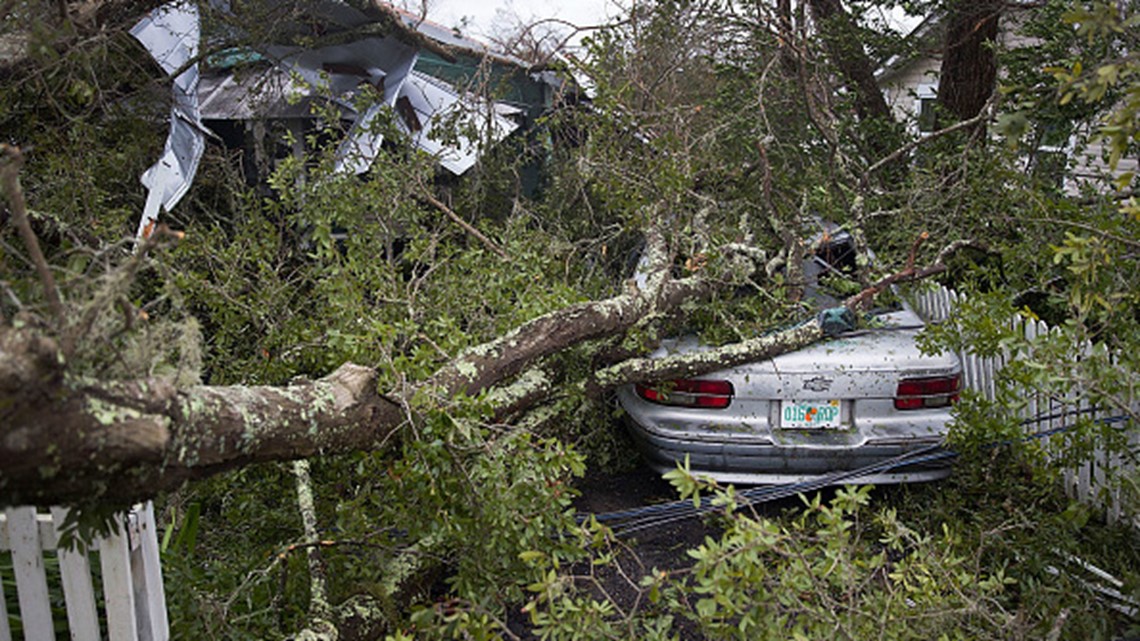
{"x":494,"y":362}
{"x":696,"y":363}
{"x":89,"y":440}
{"x":690,"y":364}
{"x":68,"y":440}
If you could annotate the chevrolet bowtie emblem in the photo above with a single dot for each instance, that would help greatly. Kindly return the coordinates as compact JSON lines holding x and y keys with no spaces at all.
{"x":818,"y":384}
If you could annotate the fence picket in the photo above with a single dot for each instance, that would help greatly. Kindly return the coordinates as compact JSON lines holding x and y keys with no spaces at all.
{"x":5,"y":631}
{"x":78,"y":591}
{"x":1099,"y":471}
{"x":949,"y":303}
{"x":972,"y":369}
{"x":1090,"y":465}
{"x":1030,"y":329}
{"x":118,"y":593}
{"x":148,"y":578}
{"x":1084,"y":480}
{"x":31,"y":578}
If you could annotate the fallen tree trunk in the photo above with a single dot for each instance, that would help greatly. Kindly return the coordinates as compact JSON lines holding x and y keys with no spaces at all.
{"x":64,"y":440}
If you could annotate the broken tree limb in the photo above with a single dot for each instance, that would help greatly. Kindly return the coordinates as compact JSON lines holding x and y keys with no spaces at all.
{"x":66,"y":440}
{"x":498,"y":360}
{"x":319,"y":608}
{"x":692,"y":364}
{"x":467,"y":227}
{"x":495,"y":361}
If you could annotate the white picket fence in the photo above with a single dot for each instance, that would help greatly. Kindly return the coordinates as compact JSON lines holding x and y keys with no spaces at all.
{"x":1094,"y":482}
{"x":131,"y":588}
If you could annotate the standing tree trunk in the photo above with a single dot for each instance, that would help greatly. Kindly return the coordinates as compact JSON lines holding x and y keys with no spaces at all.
{"x":969,"y":58}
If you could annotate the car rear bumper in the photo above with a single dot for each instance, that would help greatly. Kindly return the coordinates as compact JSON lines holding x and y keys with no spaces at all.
{"x":757,"y":463}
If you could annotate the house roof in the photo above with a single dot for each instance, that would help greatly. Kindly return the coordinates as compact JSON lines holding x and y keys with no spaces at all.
{"x":924,"y":39}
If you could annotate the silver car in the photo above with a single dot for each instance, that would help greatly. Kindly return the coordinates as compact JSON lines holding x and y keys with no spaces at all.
{"x":856,"y":400}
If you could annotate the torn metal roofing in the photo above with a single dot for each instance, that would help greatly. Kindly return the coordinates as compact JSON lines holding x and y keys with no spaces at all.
{"x":171,"y":34}
{"x":433,"y":102}
{"x":285,"y":81}
{"x":450,"y":37}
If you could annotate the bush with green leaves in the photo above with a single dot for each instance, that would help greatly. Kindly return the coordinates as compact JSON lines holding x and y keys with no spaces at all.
{"x":934,"y":561}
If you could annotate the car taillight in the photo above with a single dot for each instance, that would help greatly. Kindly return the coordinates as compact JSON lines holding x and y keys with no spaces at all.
{"x":688,"y":393}
{"x":920,"y":393}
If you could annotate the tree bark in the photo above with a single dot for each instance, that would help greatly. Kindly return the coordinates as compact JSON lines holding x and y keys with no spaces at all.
{"x":76,"y":441}
{"x":879,"y":132}
{"x":969,"y":58}
{"x":66,"y":440}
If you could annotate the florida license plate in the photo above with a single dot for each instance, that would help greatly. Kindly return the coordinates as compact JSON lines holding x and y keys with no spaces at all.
{"x":809,"y":414}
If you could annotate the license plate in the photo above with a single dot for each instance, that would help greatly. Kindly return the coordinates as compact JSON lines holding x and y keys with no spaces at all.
{"x":809,"y":414}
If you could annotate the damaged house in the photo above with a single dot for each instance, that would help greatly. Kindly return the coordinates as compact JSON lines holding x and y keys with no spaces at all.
{"x":366,"y":63}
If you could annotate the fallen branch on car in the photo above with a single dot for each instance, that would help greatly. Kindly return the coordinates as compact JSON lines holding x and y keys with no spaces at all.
{"x":66,"y":437}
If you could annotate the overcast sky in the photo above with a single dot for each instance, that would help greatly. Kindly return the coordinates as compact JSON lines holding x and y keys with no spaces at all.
{"x":481,"y":14}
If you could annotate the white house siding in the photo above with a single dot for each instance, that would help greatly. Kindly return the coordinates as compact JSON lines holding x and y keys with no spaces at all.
{"x":904,"y":86}
{"x":1092,"y":167}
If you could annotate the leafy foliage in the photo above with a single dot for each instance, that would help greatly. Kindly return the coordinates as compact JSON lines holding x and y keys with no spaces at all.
{"x":712,"y":124}
{"x":838,"y":568}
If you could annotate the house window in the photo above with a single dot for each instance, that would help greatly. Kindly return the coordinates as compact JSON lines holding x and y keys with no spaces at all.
{"x":1050,"y":161}
{"x":926,"y":108}
{"x":927,"y":120}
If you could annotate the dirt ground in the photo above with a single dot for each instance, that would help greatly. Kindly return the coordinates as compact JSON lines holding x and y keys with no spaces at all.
{"x":662,"y":548}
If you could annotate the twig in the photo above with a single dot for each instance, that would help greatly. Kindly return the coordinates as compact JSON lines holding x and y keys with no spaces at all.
{"x":106,"y":298}
{"x":984,"y":114}
{"x":1058,"y":625}
{"x":11,"y":159}
{"x":487,"y":242}
{"x":1089,"y":228}
{"x":862,"y":300}
{"x":1123,"y":194}
{"x":910,"y":273}
{"x":957,"y":246}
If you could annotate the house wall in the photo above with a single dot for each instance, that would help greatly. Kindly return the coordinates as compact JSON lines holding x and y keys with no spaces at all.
{"x":1091,"y":167}
{"x":905,"y":86}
